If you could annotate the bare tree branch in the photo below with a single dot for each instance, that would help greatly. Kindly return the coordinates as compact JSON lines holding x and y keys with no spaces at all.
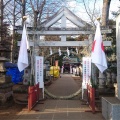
{"x":91,"y":17}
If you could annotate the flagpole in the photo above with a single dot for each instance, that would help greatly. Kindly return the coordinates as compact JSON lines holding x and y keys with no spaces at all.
{"x":98,"y":54}
{"x":23,"y":52}
{"x":93,"y":73}
{"x":31,"y":50}
{"x":31,"y":55}
{"x":93,"y":67}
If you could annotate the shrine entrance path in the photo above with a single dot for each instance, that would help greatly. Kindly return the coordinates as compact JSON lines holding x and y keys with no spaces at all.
{"x":65,"y":85}
{"x":53,"y":109}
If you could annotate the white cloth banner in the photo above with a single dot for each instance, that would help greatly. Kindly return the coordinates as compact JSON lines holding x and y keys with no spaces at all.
{"x":39,"y":71}
{"x":68,"y":52}
{"x":86,"y":73}
{"x":51,"y":51}
{"x":59,"y":51}
{"x":98,"y":55}
{"x":23,"y":54}
{"x":76,"y":50}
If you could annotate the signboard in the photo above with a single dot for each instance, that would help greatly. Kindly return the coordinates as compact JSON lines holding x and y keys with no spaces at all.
{"x":39,"y":70}
{"x":86,"y":73}
{"x":86,"y":70}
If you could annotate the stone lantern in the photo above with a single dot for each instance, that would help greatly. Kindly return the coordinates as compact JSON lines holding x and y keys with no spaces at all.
{"x":3,"y":77}
{"x":5,"y":82}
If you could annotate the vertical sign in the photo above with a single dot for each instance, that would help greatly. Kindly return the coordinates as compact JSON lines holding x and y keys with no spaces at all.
{"x":39,"y":71}
{"x":86,"y":70}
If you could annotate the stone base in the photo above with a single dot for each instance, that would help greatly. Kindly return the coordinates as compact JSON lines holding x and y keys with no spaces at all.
{"x":85,"y":98}
{"x":111,"y":108}
{"x":5,"y":96}
{"x":101,"y":90}
{"x":20,"y":98}
{"x":7,"y":104}
{"x":20,"y":93}
{"x":5,"y":92}
{"x":107,"y":91}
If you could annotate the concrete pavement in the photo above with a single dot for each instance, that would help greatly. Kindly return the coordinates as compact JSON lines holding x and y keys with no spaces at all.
{"x":51,"y":109}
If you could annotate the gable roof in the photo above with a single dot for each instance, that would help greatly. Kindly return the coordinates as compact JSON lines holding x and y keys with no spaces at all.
{"x":69,"y":15}
{"x":70,"y":59}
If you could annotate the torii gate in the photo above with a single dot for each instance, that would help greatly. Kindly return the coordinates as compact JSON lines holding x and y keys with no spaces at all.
{"x":64,"y":14}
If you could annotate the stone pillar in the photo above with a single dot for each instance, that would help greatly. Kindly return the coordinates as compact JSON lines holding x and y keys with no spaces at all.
{"x":36,"y":46}
{"x":109,"y":79}
{"x":93,"y":67}
{"x":118,"y":53}
{"x":113,"y":77}
{"x":101,"y":80}
{"x":36,"y":51}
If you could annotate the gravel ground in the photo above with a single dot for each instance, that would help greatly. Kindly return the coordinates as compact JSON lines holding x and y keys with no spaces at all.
{"x":9,"y":110}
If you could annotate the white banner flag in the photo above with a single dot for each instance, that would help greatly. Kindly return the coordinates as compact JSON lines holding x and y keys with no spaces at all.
{"x":23,"y":54}
{"x":98,"y":55}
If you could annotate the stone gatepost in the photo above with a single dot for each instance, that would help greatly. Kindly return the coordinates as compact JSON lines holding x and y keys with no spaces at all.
{"x":118,"y":53}
{"x":102,"y":79}
{"x":109,"y":79}
{"x":111,"y":105}
{"x":93,"y":68}
{"x":36,"y":50}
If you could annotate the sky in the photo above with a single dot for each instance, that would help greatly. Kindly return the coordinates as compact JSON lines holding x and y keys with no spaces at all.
{"x":114,"y":6}
{"x":78,"y":8}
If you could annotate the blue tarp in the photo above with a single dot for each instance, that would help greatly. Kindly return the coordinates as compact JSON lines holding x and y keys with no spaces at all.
{"x":10,"y":65}
{"x":12,"y":70}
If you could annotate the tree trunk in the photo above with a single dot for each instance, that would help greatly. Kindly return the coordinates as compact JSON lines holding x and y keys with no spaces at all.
{"x":1,"y":19}
{"x":35,"y":18}
{"x":13,"y":35}
{"x":105,"y":12}
{"x":23,"y":10}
